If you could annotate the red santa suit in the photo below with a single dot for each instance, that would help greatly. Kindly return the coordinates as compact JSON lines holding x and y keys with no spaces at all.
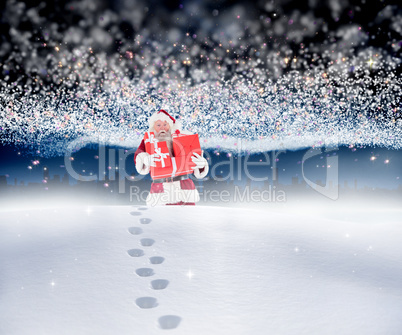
{"x":179,"y":190}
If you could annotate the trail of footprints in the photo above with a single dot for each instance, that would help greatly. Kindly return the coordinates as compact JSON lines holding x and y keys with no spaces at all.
{"x":166,"y":321}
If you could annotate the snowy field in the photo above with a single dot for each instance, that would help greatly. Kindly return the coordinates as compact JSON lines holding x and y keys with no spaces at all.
{"x":199,"y":270}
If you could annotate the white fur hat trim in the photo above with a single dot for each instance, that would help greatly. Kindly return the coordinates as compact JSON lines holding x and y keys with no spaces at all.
{"x":163,"y":116}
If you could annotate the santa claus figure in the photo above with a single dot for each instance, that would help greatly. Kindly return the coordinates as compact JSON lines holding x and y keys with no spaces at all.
{"x":176,"y":190}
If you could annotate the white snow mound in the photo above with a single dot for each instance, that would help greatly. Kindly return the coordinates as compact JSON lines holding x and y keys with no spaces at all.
{"x":198,"y":270}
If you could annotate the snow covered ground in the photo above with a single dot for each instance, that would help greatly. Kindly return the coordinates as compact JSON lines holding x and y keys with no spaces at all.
{"x":199,"y":270}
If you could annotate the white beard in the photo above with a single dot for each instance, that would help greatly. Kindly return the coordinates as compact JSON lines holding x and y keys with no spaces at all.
{"x":165,"y":137}
{"x":169,"y":144}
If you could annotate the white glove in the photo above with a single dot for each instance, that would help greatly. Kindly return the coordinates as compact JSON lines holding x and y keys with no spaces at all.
{"x":143,"y":162}
{"x":200,"y":163}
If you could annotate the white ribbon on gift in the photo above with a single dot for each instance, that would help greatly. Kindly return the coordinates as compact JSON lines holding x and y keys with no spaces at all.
{"x":158,"y":152}
{"x":151,"y":139}
{"x":174,"y":166}
{"x":162,"y":156}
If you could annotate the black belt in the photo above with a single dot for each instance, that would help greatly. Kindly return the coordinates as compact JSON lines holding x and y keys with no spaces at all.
{"x":171,"y":179}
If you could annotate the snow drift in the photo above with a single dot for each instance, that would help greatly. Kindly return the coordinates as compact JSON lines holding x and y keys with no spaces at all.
{"x":201,"y":270}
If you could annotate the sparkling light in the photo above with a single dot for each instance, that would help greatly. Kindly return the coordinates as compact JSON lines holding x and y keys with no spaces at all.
{"x":88,"y":211}
{"x":244,"y":85}
{"x":190,"y":274}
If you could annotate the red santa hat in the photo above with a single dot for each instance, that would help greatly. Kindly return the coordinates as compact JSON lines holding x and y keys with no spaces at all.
{"x":162,"y":115}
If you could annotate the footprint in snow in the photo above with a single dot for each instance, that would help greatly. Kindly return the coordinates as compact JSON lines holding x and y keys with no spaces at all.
{"x":146,"y":302}
{"x":159,"y":284}
{"x":143,"y":208}
{"x":145,"y":272}
{"x":135,"y":230}
{"x":147,"y":242}
{"x":135,"y":213}
{"x":156,"y":260}
{"x":145,"y":221}
{"x":135,"y":252}
{"x":169,"y":321}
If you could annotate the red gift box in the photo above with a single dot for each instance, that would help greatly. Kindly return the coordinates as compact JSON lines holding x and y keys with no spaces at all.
{"x":163,"y":162}
{"x":183,"y":148}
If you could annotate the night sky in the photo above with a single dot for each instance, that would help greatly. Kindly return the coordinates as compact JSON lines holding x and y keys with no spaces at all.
{"x":274,"y":74}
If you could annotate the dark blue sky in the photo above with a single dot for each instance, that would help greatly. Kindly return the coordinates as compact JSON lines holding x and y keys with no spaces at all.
{"x":372,"y":167}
